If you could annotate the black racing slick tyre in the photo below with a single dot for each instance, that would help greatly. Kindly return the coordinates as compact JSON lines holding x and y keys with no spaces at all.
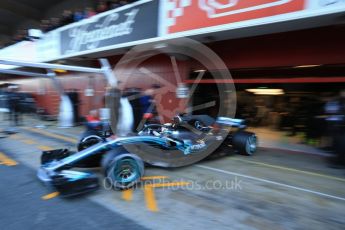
{"x":244,"y":142}
{"x":122,"y":169}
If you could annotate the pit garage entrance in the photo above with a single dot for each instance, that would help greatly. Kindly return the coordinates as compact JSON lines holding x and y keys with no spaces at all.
{"x":305,"y":103}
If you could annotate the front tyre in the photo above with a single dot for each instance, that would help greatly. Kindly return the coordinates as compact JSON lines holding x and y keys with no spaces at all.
{"x":122,"y":169}
{"x":245,"y":142}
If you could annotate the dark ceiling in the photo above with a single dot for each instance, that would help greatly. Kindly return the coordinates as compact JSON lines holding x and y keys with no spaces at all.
{"x":15,"y":12}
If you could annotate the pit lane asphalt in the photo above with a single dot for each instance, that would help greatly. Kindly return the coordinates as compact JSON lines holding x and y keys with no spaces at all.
{"x":257,"y":205}
{"x":22,"y":208}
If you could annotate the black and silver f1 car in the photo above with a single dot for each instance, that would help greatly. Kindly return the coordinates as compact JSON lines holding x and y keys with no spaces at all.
{"x":187,"y":140}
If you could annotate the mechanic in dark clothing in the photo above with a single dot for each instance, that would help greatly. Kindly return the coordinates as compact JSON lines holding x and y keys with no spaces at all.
{"x":14,"y":105}
{"x":74,"y":97}
{"x":148,"y":104}
{"x":336,"y":123}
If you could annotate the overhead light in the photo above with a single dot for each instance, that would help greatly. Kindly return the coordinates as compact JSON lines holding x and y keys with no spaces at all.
{"x":199,"y":70}
{"x":266,"y":91}
{"x":306,"y":66}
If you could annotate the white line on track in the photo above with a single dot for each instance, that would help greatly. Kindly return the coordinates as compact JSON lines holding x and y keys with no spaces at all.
{"x":271,"y":182}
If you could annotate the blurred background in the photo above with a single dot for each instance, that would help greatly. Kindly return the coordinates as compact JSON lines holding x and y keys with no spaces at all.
{"x":287,"y":62}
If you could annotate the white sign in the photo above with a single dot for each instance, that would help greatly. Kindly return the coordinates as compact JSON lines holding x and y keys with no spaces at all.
{"x":182,"y":91}
{"x":104,"y":114}
{"x":89,"y":92}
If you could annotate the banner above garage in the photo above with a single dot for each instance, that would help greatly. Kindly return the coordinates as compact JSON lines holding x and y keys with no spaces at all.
{"x":157,"y":20}
{"x":188,"y":15}
{"x":205,"y":16}
{"x":125,"y":24}
{"x":129,"y":23}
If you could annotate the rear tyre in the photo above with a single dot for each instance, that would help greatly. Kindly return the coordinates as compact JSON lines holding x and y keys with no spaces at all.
{"x":122,"y":169}
{"x":245,"y":142}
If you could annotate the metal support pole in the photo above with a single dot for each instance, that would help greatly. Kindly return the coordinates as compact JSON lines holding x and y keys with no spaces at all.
{"x":104,"y":70}
{"x":25,"y":73}
{"x":51,"y":66}
{"x":113,"y":94}
{"x":57,"y":85}
{"x":108,"y":73}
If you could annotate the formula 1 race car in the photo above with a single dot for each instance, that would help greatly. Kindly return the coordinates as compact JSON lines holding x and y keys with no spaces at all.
{"x":187,"y":140}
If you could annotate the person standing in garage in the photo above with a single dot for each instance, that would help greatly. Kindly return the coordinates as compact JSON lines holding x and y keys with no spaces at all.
{"x":14,"y":105}
{"x":339,"y":131}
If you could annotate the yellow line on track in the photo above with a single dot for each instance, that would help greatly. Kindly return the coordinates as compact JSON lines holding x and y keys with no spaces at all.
{"x":6,"y":160}
{"x":150,"y":199}
{"x":153,"y":177}
{"x":29,"y":141}
{"x":127,"y":195}
{"x":64,"y":138}
{"x":44,"y":148}
{"x":171,"y":184}
{"x":292,"y":169}
{"x":50,"y":196}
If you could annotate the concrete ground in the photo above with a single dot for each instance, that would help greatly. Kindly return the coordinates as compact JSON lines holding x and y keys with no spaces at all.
{"x":281,"y":140}
{"x":275,"y":189}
